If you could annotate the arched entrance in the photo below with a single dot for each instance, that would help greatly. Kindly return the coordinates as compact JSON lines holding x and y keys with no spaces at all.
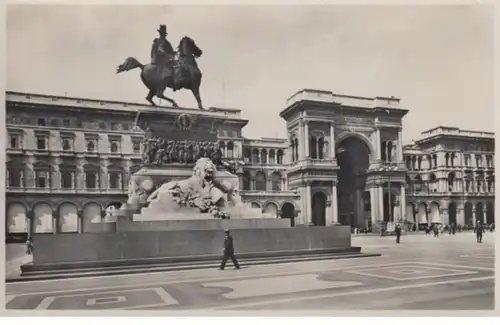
{"x":353,"y":158}
{"x":67,"y":218}
{"x":288,"y":211}
{"x":435,"y":215}
{"x":479,"y":212}
{"x":319,"y":209}
{"x":490,"y":213}
{"x":17,"y":221}
{"x":271,"y":209}
{"x":468,"y":217}
{"x":42,"y":218}
{"x":452,"y":213}
{"x":410,"y":212}
{"x":91,"y":216}
{"x":255,"y":205}
{"x":422,"y":214}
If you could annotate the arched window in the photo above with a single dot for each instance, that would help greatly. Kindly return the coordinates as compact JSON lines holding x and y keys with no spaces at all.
{"x":272,"y":156}
{"x":263,"y":156}
{"x":451,"y":181}
{"x":432,"y":182}
{"x":230,"y":149}
{"x":276,"y":181}
{"x":246,"y":181}
{"x":255,"y":156}
{"x":280,"y":157}
{"x":247,"y":155}
{"x":260,"y":181}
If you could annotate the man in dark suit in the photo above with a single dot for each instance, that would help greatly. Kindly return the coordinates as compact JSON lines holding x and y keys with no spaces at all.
{"x":479,"y":232}
{"x":228,"y":251}
{"x":398,"y":233}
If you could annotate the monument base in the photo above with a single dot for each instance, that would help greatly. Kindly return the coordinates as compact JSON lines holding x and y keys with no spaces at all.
{"x":131,"y":245}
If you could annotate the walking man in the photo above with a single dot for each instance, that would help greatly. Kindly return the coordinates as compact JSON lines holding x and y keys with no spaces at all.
{"x":398,"y":233}
{"x":228,"y":251}
{"x":479,"y":232}
{"x":29,"y":246}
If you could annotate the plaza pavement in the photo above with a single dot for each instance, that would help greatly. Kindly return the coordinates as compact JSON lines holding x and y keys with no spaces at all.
{"x":423,"y":272}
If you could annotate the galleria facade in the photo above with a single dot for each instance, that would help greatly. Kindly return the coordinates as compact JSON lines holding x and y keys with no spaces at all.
{"x":69,"y":160}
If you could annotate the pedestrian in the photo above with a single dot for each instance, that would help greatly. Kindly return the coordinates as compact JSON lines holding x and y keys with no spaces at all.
{"x":436,"y":230}
{"x":479,"y":232}
{"x":29,"y":246}
{"x":228,"y":251}
{"x":398,"y":233}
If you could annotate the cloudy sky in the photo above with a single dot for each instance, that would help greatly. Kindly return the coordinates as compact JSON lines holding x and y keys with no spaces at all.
{"x":437,"y":59}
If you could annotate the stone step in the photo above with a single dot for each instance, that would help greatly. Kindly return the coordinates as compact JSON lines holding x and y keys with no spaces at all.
{"x":30,"y":274}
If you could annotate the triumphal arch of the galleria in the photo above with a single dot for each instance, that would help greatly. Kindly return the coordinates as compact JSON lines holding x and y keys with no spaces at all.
{"x":346,"y":156}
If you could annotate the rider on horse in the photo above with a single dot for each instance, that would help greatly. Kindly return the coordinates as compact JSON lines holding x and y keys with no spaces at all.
{"x":163,"y":55}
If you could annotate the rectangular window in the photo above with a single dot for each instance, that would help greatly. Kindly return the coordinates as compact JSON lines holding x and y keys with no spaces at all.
{"x":41,"y":180}
{"x":114,"y":147}
{"x":114,"y":180}
{"x":136,"y":146}
{"x":66,"y":180}
{"x":91,"y":147}
{"x":90,"y":180}
{"x":14,"y":178}
{"x":66,"y":123}
{"x":41,"y":121}
{"x":66,"y":144}
{"x":14,"y":142}
{"x":41,"y":143}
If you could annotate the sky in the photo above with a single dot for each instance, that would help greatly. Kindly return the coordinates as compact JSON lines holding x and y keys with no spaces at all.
{"x":437,"y":59}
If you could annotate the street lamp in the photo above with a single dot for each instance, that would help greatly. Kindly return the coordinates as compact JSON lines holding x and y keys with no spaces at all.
{"x":389,"y":168}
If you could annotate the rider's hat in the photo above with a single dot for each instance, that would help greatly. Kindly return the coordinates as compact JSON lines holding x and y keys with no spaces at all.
{"x":162,"y":30}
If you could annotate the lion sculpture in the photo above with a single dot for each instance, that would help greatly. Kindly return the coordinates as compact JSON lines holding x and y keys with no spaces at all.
{"x":201,"y":190}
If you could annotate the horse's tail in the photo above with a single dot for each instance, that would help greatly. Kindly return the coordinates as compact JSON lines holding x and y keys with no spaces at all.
{"x":129,"y":64}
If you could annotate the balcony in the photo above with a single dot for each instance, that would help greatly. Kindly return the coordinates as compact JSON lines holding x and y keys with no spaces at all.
{"x":36,"y":190}
{"x":251,"y":193}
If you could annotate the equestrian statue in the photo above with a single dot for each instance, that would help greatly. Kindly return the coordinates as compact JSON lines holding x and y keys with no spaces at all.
{"x":169,"y":68}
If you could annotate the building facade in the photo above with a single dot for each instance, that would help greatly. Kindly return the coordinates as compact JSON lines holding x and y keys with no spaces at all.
{"x":451,"y":177}
{"x":69,"y":160}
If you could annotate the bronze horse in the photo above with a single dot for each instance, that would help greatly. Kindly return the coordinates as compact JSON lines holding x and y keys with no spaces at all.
{"x":158,"y":77}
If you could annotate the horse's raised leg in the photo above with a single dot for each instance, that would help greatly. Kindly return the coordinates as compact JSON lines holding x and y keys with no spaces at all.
{"x":162,"y":96}
{"x":150,"y":96}
{"x":196,"y":93}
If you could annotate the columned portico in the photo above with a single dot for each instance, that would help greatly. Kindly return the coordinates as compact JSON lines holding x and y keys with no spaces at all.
{"x":357,"y":135}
